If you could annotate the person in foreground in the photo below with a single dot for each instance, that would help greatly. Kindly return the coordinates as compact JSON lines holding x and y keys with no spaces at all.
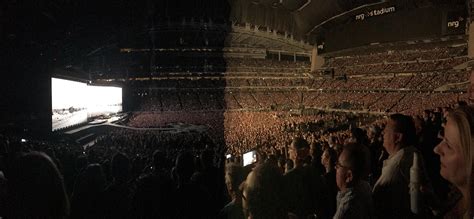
{"x":354,"y":200}
{"x":456,"y":155}
{"x":234,"y":176}
{"x":261,"y":196}
{"x":306,"y":192}
{"x":391,"y":193}
{"x":36,"y":189}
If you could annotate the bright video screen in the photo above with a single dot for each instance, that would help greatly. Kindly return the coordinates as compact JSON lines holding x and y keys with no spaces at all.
{"x":250,"y":158}
{"x":74,"y":102}
{"x":68,"y":103}
{"x":104,"y":100}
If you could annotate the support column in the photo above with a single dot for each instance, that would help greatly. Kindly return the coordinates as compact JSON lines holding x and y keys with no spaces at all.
{"x":470,"y":42}
{"x":316,"y":60}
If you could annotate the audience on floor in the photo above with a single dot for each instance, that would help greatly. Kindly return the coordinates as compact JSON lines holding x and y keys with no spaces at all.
{"x":366,"y":172}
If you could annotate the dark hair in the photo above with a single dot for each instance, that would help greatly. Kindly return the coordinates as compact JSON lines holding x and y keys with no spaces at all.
{"x":159,"y":159}
{"x":81,"y":162}
{"x":299,"y":143}
{"x":264,"y":192}
{"x":462,"y":103}
{"x":207,"y":158}
{"x":93,"y":180}
{"x":36,"y":188}
{"x":317,"y":149}
{"x":120,"y":166}
{"x":272,"y":159}
{"x":358,"y":160}
{"x":236,"y":175}
{"x":360,"y":136}
{"x":332,"y":156}
{"x":405,"y":126}
{"x":184,"y":166}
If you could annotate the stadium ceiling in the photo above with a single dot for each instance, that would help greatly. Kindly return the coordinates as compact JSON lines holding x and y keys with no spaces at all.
{"x":301,"y":17}
{"x":62,"y":31}
{"x":297,"y":17}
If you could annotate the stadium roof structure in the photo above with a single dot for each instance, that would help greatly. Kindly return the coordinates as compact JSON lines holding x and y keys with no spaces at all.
{"x":65,"y":32}
{"x":269,"y":40}
{"x":304,"y":18}
{"x":297,"y":17}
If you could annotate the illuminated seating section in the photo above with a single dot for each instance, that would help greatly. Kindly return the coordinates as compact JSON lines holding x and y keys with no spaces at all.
{"x":403,"y":81}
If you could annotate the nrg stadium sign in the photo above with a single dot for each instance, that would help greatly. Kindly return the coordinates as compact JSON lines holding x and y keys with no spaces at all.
{"x":375,"y":12}
{"x":455,"y":23}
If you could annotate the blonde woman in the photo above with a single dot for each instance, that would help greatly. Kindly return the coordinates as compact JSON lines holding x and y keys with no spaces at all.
{"x":456,"y":156}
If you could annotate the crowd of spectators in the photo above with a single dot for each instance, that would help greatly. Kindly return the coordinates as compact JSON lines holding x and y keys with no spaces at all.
{"x":415,"y":58}
{"x":379,"y":93}
{"x":240,"y":130}
{"x":369,"y":101}
{"x":399,"y":55}
{"x":264,"y":65}
{"x":124,"y":175}
{"x":168,"y":66}
{"x":424,"y":81}
{"x":309,"y":164}
{"x":180,"y":174}
{"x":400,"y":67}
{"x":420,"y":81}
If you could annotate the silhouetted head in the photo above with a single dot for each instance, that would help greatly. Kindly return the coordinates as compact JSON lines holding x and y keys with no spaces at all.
{"x":262,"y":193}
{"x":36,"y":188}
{"x":184,"y":166}
{"x":207,"y":158}
{"x":159,"y":160}
{"x":120,"y":167}
{"x":93,"y":180}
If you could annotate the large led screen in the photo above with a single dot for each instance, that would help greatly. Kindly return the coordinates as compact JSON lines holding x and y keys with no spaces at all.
{"x":74,"y":102}
{"x":103,"y":100}
{"x":68,"y":103}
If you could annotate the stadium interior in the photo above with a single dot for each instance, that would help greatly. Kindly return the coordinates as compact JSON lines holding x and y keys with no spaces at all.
{"x":88,"y":83}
